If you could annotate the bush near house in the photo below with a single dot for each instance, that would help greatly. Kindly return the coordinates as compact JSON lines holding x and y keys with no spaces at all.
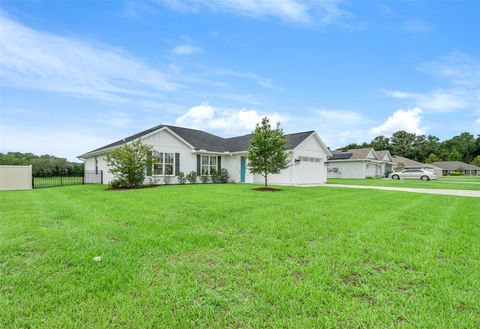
{"x":192,"y":177}
{"x":128,"y":163}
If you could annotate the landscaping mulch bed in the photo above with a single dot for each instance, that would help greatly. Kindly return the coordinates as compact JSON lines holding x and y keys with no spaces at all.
{"x":267,"y":189}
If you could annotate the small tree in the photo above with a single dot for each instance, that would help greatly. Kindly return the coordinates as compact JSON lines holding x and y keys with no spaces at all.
{"x":128,"y":163}
{"x":266,"y":153}
{"x":432,"y":158}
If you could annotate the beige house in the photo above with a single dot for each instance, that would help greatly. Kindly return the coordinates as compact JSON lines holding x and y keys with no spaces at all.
{"x":406,"y":163}
{"x":447,"y":167}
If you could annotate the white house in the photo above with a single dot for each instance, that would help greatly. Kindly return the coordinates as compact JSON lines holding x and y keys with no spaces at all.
{"x":182,"y":149}
{"x":359,"y":163}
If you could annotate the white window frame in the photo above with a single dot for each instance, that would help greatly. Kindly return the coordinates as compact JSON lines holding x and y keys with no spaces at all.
{"x":162,"y":157}
{"x":209,"y":164}
{"x":310,"y":159}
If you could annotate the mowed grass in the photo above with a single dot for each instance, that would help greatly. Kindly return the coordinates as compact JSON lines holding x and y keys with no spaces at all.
{"x":225,"y":256}
{"x":448,"y":183}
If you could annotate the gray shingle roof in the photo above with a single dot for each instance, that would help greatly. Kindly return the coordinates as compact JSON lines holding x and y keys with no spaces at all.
{"x":241,"y":143}
{"x":406,"y":162}
{"x":454,"y":165}
{"x":357,"y":154}
{"x":202,"y":140}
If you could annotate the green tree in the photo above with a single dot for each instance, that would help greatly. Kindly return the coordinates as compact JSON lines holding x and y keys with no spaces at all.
{"x":128,"y":163}
{"x":464,"y":143}
{"x":454,"y":155}
{"x":432,"y":158}
{"x":381,"y":143}
{"x":476,"y":161}
{"x":266,"y":153}
{"x":403,"y":143}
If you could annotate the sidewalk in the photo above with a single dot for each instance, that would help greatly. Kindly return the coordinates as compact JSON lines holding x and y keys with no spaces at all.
{"x":468,"y":193}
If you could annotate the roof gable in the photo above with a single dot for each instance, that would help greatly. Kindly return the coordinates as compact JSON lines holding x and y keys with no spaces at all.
{"x":385,"y":155}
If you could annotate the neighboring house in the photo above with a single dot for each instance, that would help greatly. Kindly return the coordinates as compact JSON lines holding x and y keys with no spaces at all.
{"x":356,"y":163}
{"x":458,"y":166}
{"x":387,"y":161}
{"x":182,"y":149}
{"x":406,"y":163}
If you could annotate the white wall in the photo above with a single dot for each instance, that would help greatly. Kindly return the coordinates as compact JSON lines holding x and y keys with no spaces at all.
{"x":347,"y":169}
{"x":15,"y":177}
{"x":310,"y":172}
{"x":372,"y":169}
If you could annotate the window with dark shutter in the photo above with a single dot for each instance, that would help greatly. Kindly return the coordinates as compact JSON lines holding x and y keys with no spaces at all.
{"x":198,"y":164}
{"x":219,"y":162}
{"x":149,"y":163}
{"x":177,"y":163}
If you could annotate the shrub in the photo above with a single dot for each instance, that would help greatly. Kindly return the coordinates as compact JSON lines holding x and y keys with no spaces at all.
{"x":192,"y":177}
{"x":370,"y":177}
{"x":456,"y":173}
{"x":214,"y":175}
{"x":116,"y":183}
{"x":181,"y":177}
{"x":167,"y":179}
{"x":223,"y":176}
{"x":204,"y":179}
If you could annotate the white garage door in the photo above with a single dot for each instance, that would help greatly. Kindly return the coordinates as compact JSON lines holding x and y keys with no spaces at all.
{"x":309,"y":170}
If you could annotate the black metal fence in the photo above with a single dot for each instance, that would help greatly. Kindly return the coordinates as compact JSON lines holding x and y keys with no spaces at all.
{"x":50,"y":181}
{"x":89,"y":177}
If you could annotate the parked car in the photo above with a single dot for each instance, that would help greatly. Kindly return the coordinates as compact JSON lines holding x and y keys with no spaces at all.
{"x":413,"y":174}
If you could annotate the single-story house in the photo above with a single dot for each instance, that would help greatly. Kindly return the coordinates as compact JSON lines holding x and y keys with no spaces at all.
{"x":177,"y":149}
{"x":387,"y":161}
{"x":358,"y":163}
{"x":406,"y":163}
{"x":458,"y":166}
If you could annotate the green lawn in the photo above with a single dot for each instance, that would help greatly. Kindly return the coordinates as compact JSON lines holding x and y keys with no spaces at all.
{"x":221,"y":256}
{"x":456,"y":183}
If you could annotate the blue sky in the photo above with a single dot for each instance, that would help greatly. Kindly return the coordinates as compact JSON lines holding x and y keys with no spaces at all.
{"x":77,"y":75}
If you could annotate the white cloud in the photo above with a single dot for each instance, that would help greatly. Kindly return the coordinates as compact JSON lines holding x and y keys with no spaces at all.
{"x":261,"y":81}
{"x":230,"y":121}
{"x":439,"y":100}
{"x":43,"y":61}
{"x":302,"y":11}
{"x":459,"y":70}
{"x":462,"y":69}
{"x":408,"y":120}
{"x":186,"y":49}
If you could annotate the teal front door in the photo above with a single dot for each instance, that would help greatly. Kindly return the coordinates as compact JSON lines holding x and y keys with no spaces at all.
{"x":243,"y":169}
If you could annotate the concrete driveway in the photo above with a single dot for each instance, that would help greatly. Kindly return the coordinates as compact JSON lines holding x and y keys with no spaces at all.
{"x":468,"y":193}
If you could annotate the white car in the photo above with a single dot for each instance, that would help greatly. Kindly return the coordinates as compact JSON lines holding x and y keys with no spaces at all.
{"x":413,"y":174}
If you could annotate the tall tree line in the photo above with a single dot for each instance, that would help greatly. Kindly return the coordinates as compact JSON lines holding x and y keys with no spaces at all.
{"x":427,"y":149}
{"x":43,"y":165}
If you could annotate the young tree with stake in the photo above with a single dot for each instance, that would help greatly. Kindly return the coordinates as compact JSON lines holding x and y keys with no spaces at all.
{"x":266,"y":153}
